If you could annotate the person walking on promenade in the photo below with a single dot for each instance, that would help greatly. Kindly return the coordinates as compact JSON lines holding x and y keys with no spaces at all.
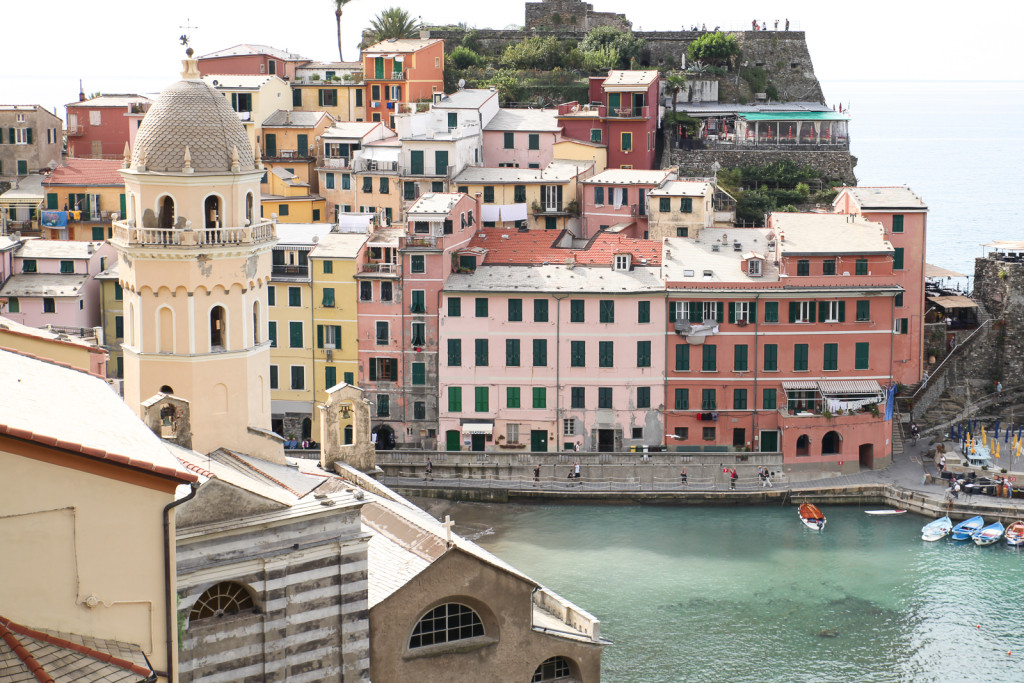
{"x":942,"y":464}
{"x":682,"y":477}
{"x":733,"y":476}
{"x":536,"y":474}
{"x":429,"y":471}
{"x":787,"y":23}
{"x":576,"y":471}
{"x":760,"y":475}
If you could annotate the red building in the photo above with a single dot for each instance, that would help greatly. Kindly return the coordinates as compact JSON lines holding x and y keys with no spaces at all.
{"x":401,"y":71}
{"x":99,"y":127}
{"x":781,"y":339}
{"x":904,"y":216}
{"x":622,"y":114}
{"x":617,"y":198}
{"x":251,"y":60}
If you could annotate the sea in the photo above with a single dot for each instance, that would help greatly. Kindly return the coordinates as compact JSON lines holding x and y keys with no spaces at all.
{"x":955,"y":143}
{"x":731,"y":594}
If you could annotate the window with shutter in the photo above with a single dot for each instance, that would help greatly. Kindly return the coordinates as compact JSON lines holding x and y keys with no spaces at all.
{"x":800,"y":357}
{"x":682,"y":357}
{"x":454,"y":353}
{"x":643,"y":312}
{"x":482,"y":396}
{"x":540,"y":353}
{"x":482,"y":355}
{"x":861,"y":356}
{"x":540,"y":397}
{"x":419,"y":373}
{"x":739,"y":360}
{"x":708,"y":400}
{"x":515,"y":310}
{"x":709,"y":358}
{"x":643,"y":354}
{"x":831,"y":357}
{"x":512,"y":397}
{"x":739,"y":399}
{"x":682,"y":399}
{"x":455,"y":399}
{"x":606,"y":354}
{"x":540,"y":310}
{"x":577,"y":354}
{"x":576,"y":314}
{"x":771,"y":357}
{"x":577,"y":397}
{"x":607,"y":309}
{"x":512,"y":353}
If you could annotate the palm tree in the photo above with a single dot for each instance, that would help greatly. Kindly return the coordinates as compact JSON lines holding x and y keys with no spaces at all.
{"x":676,"y":82}
{"x":393,"y":22}
{"x":338,"y":4}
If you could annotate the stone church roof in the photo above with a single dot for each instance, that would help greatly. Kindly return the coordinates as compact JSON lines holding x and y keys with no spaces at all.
{"x":191,"y":112}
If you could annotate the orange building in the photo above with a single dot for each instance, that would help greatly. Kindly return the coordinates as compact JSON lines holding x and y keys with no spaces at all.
{"x":400,"y":71}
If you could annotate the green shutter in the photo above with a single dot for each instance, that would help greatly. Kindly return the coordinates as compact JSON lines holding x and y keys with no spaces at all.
{"x":123,"y":208}
{"x":794,"y":311}
{"x":671,"y":311}
{"x":454,"y":399}
{"x":721,"y":310}
{"x":740,"y":358}
{"x":897,"y":221}
{"x":29,"y":133}
{"x":51,"y":201}
{"x":752,"y":311}
{"x":270,"y":145}
{"x":416,"y":159}
{"x":897,"y":259}
{"x":540,"y":397}
{"x":771,"y":311}
{"x":842,"y":311}
{"x":319,"y":336}
{"x":643,"y":312}
{"x":823,"y":311}
{"x":296,"y":97}
{"x":482,"y":399}
{"x":732,"y":312}
{"x":771,"y":357}
{"x":861,"y":356}
{"x":330,"y":376}
{"x":512,"y":397}
{"x":441,"y":162}
{"x":682,"y":357}
{"x":710,"y":358}
{"x":696,"y":312}
{"x":419,"y":373}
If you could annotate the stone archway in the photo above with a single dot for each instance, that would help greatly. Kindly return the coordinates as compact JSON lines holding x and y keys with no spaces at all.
{"x":385,"y":437}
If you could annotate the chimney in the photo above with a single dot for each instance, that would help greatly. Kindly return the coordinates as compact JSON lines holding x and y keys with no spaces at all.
{"x":424,"y":35}
{"x":81,"y":92}
{"x":479,"y":198}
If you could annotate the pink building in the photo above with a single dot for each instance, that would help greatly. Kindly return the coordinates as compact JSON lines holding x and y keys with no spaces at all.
{"x":904,"y":216}
{"x":617,"y":198}
{"x":252,"y":60}
{"x":54,"y":283}
{"x":544,"y":346}
{"x":401,"y":275}
{"x":780,"y":340}
{"x":622,"y":114}
{"x":100,"y":127}
{"x":521,"y":138}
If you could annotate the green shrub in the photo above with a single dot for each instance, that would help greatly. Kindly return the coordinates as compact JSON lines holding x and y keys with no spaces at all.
{"x":463,"y":57}
{"x":628,"y":46}
{"x":716,"y":48}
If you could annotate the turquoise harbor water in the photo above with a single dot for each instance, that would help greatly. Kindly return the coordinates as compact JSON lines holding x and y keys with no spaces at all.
{"x":745,"y":594}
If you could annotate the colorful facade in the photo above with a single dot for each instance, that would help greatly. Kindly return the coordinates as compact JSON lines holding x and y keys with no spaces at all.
{"x":400,"y":72}
{"x":680,"y":208}
{"x":521,"y":138}
{"x":248,"y":59}
{"x":622,"y":114}
{"x":112,"y":319}
{"x":254,"y":99}
{"x":288,"y":199}
{"x":618,"y":199}
{"x":290,"y":142}
{"x":100,"y":127}
{"x":31,"y":139}
{"x":335,"y":162}
{"x":83,"y":198}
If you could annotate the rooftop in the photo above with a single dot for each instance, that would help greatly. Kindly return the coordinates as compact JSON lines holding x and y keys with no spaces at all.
{"x":557,"y":278}
{"x":301,"y":233}
{"x":238,"y":81}
{"x":681,"y":188}
{"x":29,"y":188}
{"x":686,"y":260}
{"x":400,"y":45}
{"x":125,"y":100}
{"x":630,"y":176}
{"x":62,"y":249}
{"x":295,"y":119}
{"x":44,"y":284}
{"x":92,"y":172}
{"x":558,"y":170}
{"x":537,"y":247}
{"x":526,"y":120}
{"x":436,"y":202}
{"x":101,"y":425}
{"x":471,"y":98}
{"x":828,"y":233}
{"x":630,"y":78}
{"x":254,"y":49}
{"x":339,"y":245}
{"x":898,"y":197}
{"x":350,"y":130}
{"x":717,"y":108}
{"x":31,"y":655}
{"x":8,"y":325}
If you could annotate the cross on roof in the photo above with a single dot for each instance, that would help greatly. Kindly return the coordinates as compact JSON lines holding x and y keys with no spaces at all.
{"x":448,"y":524}
{"x":185,"y":37}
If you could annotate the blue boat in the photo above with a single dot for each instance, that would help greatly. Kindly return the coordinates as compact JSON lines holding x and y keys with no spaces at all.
{"x":965,"y":529}
{"x":988,"y":535}
{"x":933,"y":531}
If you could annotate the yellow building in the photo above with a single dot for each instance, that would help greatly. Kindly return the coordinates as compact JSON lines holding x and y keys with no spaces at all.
{"x":580,"y":150}
{"x":287,"y":198}
{"x":86,"y":195}
{"x":291,"y":298}
{"x":335,"y":297}
{"x":21,"y":207}
{"x":112,"y":319}
{"x":77,"y":352}
{"x":194,"y":262}
{"x":680,"y":208}
{"x":544,"y":199}
{"x":290,"y":142}
{"x":339,"y":145}
{"x":253,"y":98}
{"x":83,"y":504}
{"x":332,"y":87}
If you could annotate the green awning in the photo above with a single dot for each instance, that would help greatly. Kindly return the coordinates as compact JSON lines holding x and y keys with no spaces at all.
{"x":795,"y":116}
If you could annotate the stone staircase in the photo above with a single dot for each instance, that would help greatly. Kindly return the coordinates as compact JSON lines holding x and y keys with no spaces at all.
{"x":897,"y":437}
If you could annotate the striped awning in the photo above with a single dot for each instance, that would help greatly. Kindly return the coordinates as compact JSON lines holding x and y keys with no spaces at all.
{"x":868,"y":387}
{"x":800,"y":385}
{"x":478,"y":428}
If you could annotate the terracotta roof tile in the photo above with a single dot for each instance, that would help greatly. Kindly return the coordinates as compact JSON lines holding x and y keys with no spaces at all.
{"x":511,"y":247}
{"x":86,"y":172}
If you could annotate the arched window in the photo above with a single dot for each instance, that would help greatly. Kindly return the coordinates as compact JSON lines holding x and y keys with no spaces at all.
{"x":445,"y":624}
{"x":165,"y":389}
{"x":552,"y":669}
{"x":307,"y":428}
{"x":803,"y":445}
{"x":165,"y":330}
{"x":256,"y":323}
{"x":224,"y":598}
{"x":218,"y":328}
{"x":212,"y":212}
{"x":130,"y":327}
{"x":348,"y":435}
{"x":131,"y":209}
{"x":166,"y":219}
{"x":831,"y":443}
{"x":248,"y":208}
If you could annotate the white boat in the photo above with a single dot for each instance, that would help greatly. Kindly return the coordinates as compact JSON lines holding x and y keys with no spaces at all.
{"x":1014,"y":535}
{"x":812,"y":517}
{"x":884,"y":512}
{"x":989,"y":535}
{"x":933,"y":531}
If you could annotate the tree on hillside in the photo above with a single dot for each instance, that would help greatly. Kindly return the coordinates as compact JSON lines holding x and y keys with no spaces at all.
{"x":338,"y":4}
{"x":625,"y":43}
{"x":394,"y":22}
{"x":675,"y":82}
{"x":714,"y":48}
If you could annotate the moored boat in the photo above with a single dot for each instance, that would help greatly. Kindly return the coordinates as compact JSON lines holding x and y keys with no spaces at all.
{"x":811,"y":516}
{"x":884,"y":512}
{"x":933,"y":531}
{"x":1015,"y":533}
{"x":965,"y":529}
{"x":989,"y":535}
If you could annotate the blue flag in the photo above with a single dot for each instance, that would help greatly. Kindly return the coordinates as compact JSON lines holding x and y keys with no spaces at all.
{"x":890,"y":402}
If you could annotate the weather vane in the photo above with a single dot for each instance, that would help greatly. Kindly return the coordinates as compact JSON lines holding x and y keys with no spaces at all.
{"x":186,"y":38}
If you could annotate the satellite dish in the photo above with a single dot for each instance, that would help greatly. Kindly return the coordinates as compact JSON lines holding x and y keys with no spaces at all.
{"x":316,"y":238}
{"x":462,"y":83}
{"x":216,"y":82}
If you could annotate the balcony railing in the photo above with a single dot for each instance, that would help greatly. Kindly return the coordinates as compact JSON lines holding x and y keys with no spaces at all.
{"x":74,"y":131}
{"x":375,"y":166}
{"x":379,"y":268}
{"x":290,"y":271}
{"x":630,"y":112}
{"x":418,"y":242}
{"x":128,"y":234}
{"x":294,"y":154}
{"x":334,"y":162}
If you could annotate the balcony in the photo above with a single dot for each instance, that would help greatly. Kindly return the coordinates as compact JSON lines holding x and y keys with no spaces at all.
{"x":127,"y":234}
{"x":380,"y":268}
{"x":630,"y":113}
{"x":375,"y":166}
{"x":294,"y":154}
{"x":74,"y":131}
{"x":288,"y":271}
{"x":419,"y":242}
{"x":334,"y":163}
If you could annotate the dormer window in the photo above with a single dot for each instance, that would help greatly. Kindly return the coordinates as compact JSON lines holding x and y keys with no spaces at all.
{"x":754,"y":267}
{"x":622,"y":261}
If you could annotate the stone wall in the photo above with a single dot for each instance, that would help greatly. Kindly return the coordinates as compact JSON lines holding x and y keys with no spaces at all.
{"x":574,"y":15}
{"x":836,"y":166}
{"x":999,"y":288}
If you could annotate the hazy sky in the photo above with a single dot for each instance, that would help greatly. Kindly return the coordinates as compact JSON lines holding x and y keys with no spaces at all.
{"x":121,"y":46}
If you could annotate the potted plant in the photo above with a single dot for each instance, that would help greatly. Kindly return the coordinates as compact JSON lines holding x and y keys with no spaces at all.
{"x":874,"y":410}
{"x":315,"y":77}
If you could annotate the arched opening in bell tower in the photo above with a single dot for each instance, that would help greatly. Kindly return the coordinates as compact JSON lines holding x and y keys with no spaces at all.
{"x":218,"y":328}
{"x":248,"y":208}
{"x":256,"y":323}
{"x":212,"y":212}
{"x":166,"y":218}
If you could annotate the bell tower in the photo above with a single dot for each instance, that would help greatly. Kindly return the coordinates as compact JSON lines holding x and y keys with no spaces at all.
{"x":194,"y":262}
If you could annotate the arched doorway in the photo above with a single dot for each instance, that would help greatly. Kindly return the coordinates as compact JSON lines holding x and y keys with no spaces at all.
{"x":803,"y":445}
{"x":831,"y":443}
{"x":165,"y":221}
{"x":307,"y":428}
{"x":385,"y":437}
{"x":211,"y":212}
{"x":867,"y":455}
